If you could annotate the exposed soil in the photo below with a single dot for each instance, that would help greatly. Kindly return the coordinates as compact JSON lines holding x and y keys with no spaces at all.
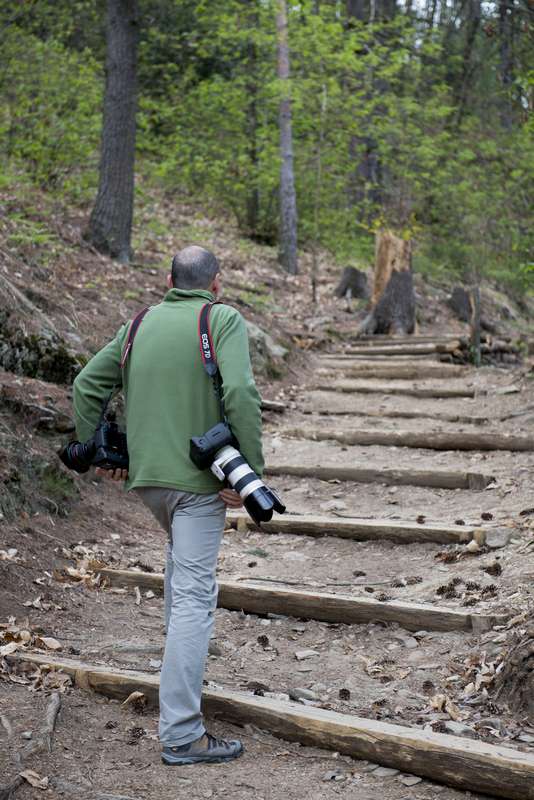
{"x":380,"y":671}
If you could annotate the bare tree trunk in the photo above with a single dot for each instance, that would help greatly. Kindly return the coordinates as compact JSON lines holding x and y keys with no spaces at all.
{"x":110,"y":225}
{"x":288,"y":205}
{"x":472,"y":25}
{"x":317,"y":198}
{"x":253,"y":199}
{"x":506,"y":70}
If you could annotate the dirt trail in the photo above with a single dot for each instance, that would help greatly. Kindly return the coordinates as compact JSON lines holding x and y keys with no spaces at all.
{"x":377,"y":671}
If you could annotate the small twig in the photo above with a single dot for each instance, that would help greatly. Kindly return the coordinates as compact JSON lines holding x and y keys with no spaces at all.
{"x":6,"y":725}
{"x":44,"y":740}
{"x":308,"y":585}
{"x":270,"y":580}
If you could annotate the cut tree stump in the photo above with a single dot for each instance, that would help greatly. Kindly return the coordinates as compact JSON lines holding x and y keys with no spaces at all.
{"x":361,"y":529}
{"x":354,"y":387}
{"x":252,"y":599}
{"x":466,"y":764}
{"x":393,"y":414}
{"x":432,"y":440}
{"x":407,"y":372}
{"x":389,"y":477}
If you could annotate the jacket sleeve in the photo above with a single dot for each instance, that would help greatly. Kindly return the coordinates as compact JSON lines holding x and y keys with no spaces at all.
{"x":94,"y":384}
{"x":241,"y":397}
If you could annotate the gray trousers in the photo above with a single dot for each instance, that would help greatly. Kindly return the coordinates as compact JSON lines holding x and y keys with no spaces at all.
{"x":195,"y":524}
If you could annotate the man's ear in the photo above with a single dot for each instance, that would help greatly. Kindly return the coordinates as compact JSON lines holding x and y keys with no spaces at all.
{"x":169,"y":281}
{"x":215,"y":287}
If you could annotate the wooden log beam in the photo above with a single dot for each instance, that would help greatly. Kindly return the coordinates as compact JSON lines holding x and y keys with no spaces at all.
{"x":433,"y":440}
{"x":273,"y":405}
{"x":354,"y":387}
{"x":237,"y":596}
{"x":393,"y":413}
{"x":403,"y":372}
{"x":465,"y":764}
{"x":404,"y":349}
{"x":384,"y":338}
{"x":390,"y":477}
{"x":361,"y":530}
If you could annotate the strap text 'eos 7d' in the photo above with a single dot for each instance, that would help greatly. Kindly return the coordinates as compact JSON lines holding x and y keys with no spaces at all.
{"x":134,"y":327}
{"x":207,"y":352}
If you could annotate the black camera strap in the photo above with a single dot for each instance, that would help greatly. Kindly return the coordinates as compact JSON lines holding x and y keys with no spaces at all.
{"x":207,"y":352}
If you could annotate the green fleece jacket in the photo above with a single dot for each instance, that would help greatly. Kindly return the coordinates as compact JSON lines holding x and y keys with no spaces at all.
{"x":169,"y":397}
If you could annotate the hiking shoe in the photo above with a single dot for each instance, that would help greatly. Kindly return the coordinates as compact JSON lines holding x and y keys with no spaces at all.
{"x":206,"y":749}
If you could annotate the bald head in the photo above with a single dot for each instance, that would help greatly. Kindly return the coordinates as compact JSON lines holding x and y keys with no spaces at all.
{"x":194,"y":267}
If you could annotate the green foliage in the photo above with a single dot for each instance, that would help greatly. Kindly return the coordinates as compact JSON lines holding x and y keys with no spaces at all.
{"x":49,"y":111}
{"x":403,"y":120}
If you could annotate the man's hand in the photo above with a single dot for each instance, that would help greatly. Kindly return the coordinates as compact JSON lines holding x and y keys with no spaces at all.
{"x":112,"y":474}
{"x":230,"y":498}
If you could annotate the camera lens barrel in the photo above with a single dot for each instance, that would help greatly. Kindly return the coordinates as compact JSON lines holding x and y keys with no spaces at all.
{"x":259,"y":500}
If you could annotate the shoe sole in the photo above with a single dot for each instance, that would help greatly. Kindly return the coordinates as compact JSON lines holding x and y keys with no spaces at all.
{"x":182,"y":762}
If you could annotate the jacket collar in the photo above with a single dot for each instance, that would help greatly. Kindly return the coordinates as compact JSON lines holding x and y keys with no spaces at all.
{"x":185,"y":294}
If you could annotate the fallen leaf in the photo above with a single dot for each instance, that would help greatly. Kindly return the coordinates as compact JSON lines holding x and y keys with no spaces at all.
{"x":48,"y":642}
{"x":9,"y":648}
{"x":34,"y":779}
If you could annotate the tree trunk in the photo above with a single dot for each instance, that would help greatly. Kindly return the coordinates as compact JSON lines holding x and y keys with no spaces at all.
{"x":253,"y":199}
{"x":506,"y":10}
{"x":288,"y":205}
{"x":110,"y":225}
{"x":393,"y":302}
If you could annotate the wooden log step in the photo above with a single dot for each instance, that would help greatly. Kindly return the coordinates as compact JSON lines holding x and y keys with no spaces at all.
{"x":370,"y":358}
{"x":253,"y":599}
{"x":466,"y":764}
{"x":361,"y":530}
{"x":392,"y":413}
{"x":353,"y":387}
{"x":273,"y":405}
{"x":441,"y":479}
{"x":404,"y":372}
{"x":404,"y":349}
{"x":384,"y":338}
{"x":433,"y":440}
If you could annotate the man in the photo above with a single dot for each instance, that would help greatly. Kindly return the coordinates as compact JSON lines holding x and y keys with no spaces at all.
{"x":169,"y":398}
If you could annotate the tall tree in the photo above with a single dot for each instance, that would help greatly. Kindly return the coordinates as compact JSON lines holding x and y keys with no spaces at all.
{"x":288,"y":203}
{"x":110,"y":225}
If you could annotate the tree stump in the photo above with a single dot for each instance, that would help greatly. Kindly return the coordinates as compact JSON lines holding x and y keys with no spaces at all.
{"x":353,"y":283}
{"x":393,"y":301}
{"x":460,"y":303}
{"x":515,"y":683}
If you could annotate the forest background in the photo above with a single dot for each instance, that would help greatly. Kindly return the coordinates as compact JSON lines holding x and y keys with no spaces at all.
{"x":414,"y":116}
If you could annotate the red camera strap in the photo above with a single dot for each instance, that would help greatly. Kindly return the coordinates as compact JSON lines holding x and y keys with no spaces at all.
{"x":134,"y":327}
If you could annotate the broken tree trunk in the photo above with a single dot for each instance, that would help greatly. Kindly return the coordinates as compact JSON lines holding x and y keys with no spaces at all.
{"x":393,"y":302}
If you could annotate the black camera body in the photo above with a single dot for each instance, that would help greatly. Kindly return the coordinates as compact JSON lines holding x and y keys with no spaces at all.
{"x":107,"y":448}
{"x":203,"y":449}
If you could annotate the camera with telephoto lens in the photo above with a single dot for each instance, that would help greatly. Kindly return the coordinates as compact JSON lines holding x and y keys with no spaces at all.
{"x":218,"y":451}
{"x":107,"y":448}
